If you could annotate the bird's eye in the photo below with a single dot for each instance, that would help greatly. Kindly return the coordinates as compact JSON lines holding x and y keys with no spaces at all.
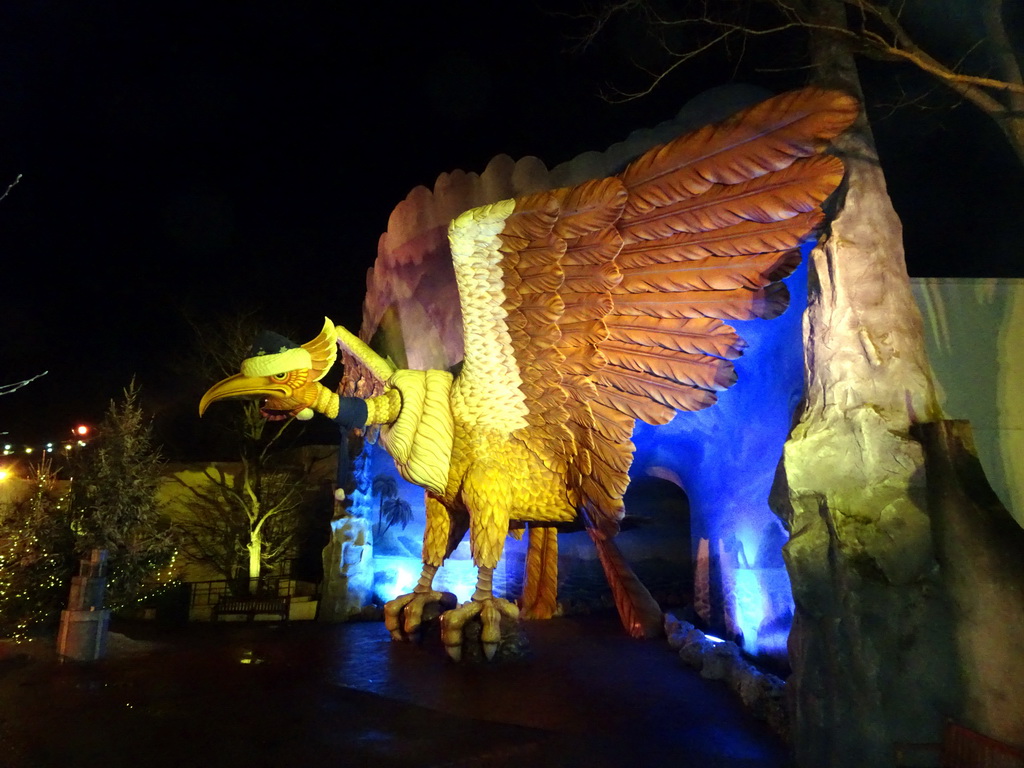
{"x":281,"y":376}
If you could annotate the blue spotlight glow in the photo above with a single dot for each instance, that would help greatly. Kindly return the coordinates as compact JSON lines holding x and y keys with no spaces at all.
{"x":397,"y":575}
{"x":749,"y":607}
{"x":394,"y":576}
{"x":725,"y":459}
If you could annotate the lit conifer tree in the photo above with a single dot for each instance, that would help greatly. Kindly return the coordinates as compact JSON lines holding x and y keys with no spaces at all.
{"x":114,"y":504}
{"x":37,"y":555}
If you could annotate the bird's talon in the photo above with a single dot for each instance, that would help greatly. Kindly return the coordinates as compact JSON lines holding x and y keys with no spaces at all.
{"x":491,"y":610}
{"x":404,"y":615}
{"x":454,"y":652}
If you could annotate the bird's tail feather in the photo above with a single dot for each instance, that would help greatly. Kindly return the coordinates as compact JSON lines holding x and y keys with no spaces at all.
{"x":639,"y":612}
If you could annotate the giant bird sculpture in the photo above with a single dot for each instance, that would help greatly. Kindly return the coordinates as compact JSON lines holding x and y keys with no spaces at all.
{"x":583,"y":309}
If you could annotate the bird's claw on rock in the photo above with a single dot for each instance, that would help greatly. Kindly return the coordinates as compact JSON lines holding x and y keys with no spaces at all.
{"x":404,"y":615}
{"x":490,"y":610}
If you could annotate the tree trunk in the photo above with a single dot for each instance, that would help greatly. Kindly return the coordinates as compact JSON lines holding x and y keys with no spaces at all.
{"x":1011,"y":118}
{"x":255,"y":549}
{"x":871,"y":647}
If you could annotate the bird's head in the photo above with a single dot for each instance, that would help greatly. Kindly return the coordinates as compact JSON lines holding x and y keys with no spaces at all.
{"x":281,"y":372}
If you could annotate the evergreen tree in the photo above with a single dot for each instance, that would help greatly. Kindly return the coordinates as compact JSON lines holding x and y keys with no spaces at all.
{"x":115,"y":504}
{"x":37,"y":555}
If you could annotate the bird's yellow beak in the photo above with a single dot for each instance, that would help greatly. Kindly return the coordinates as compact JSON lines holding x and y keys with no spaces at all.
{"x":242,"y":386}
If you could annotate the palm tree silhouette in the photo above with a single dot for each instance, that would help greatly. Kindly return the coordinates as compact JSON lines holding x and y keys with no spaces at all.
{"x":391,"y":509}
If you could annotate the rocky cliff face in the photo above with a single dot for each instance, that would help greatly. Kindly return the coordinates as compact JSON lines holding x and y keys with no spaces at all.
{"x":871,"y":622}
{"x":899,"y":562}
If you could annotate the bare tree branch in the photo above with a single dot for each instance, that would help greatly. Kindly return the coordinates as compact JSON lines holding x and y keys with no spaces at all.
{"x":10,"y":186}
{"x":6,"y":389}
{"x":874,"y":29}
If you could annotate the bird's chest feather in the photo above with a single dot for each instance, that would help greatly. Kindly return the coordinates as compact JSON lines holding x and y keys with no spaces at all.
{"x":511,"y":473}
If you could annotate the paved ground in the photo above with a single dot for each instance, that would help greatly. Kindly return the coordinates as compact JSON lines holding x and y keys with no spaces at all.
{"x":308,"y":695}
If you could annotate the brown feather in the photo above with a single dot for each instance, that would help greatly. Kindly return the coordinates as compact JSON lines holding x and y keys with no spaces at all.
{"x":533,"y":255}
{"x":595,"y":248}
{"x":701,"y":371}
{"x":577,"y":334}
{"x":539,"y":254}
{"x":605,"y":494}
{"x":593,"y":278}
{"x":737,"y":304}
{"x":582,"y":360}
{"x":745,"y":237}
{"x":544,"y":282}
{"x":591,"y":207}
{"x":581,"y":423}
{"x":699,"y":335}
{"x":634,"y":406}
{"x":533,"y":218}
{"x":652,"y":400}
{"x":540,"y":305}
{"x":763,"y":138}
{"x":580,"y":389}
{"x":582,"y":307}
{"x":714,"y":273}
{"x":639,"y":612}
{"x":608,"y":459}
{"x":537,"y":315}
{"x":784,"y":194}
{"x":616,"y":427}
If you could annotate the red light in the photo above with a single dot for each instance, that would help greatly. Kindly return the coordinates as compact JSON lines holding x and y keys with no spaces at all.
{"x":81,"y":430}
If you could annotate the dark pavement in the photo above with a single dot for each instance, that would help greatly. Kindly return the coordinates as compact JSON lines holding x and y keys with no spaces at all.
{"x":227,"y":695}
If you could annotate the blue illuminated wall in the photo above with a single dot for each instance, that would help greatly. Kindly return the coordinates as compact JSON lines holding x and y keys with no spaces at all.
{"x":725,"y":459}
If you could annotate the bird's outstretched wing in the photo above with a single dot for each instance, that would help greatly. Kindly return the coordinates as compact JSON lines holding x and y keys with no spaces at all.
{"x":366,"y":372}
{"x":588,"y":307}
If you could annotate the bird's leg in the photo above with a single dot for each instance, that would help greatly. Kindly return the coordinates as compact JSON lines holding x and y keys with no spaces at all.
{"x":426,"y":582}
{"x":444,"y":531}
{"x":485,"y":493}
{"x":484,"y":584}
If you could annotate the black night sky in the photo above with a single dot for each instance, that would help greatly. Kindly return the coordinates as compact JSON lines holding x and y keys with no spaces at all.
{"x":210,"y":157}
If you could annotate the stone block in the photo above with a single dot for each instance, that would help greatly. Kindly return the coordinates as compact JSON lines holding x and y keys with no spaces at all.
{"x":83,"y":635}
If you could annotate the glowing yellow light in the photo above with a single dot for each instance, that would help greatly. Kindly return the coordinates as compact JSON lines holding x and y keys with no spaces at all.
{"x":4,"y":473}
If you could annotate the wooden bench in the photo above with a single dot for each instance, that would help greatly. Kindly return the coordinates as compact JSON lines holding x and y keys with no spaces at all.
{"x":963,"y":748}
{"x":251,"y":606}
